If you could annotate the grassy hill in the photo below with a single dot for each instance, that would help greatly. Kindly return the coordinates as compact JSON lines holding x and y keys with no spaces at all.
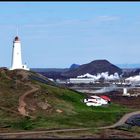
{"x":51,"y":106}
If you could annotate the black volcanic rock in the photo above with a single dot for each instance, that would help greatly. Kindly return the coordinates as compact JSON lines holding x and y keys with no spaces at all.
{"x":94,"y":67}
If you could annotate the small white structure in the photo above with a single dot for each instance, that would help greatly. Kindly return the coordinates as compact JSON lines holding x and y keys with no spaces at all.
{"x":125,"y":92}
{"x":50,"y":79}
{"x":95,"y":101}
{"x":81,"y":80}
{"x":92,"y":103}
{"x":16,"y":56}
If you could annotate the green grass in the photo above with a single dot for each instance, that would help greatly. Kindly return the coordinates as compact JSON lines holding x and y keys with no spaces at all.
{"x":75,"y":114}
{"x":8,"y":95}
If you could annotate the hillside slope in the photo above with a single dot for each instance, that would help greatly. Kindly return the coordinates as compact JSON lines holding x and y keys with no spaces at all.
{"x":29,"y":100}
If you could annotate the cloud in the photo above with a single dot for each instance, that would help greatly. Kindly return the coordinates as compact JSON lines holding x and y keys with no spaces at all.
{"x":107,"y":18}
{"x":73,"y":21}
{"x":58,"y":23}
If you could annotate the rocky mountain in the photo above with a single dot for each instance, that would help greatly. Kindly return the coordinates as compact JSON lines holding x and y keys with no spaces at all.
{"x":94,"y":67}
{"x":74,"y":66}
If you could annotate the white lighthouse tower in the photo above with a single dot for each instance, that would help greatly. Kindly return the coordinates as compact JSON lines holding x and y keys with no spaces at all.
{"x":16,"y":56}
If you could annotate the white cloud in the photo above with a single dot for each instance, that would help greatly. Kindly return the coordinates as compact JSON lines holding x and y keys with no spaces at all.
{"x":108,"y":18}
{"x":76,"y":21}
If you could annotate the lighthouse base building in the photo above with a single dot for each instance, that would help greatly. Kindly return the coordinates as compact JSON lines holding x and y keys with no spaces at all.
{"x":16,"y":56}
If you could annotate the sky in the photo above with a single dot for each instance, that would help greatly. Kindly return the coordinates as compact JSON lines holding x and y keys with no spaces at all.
{"x":58,"y":34}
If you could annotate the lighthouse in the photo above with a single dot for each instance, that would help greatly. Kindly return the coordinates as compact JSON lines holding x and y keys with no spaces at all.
{"x":16,"y":55}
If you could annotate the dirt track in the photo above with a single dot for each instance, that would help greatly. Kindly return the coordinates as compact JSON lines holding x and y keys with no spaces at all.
{"x":41,"y":132}
{"x":22,"y":111}
{"x":22,"y":103}
{"x":121,"y":121}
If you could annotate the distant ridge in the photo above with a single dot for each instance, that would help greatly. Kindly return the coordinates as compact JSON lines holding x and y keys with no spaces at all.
{"x":74,"y":66}
{"x":94,"y":67}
